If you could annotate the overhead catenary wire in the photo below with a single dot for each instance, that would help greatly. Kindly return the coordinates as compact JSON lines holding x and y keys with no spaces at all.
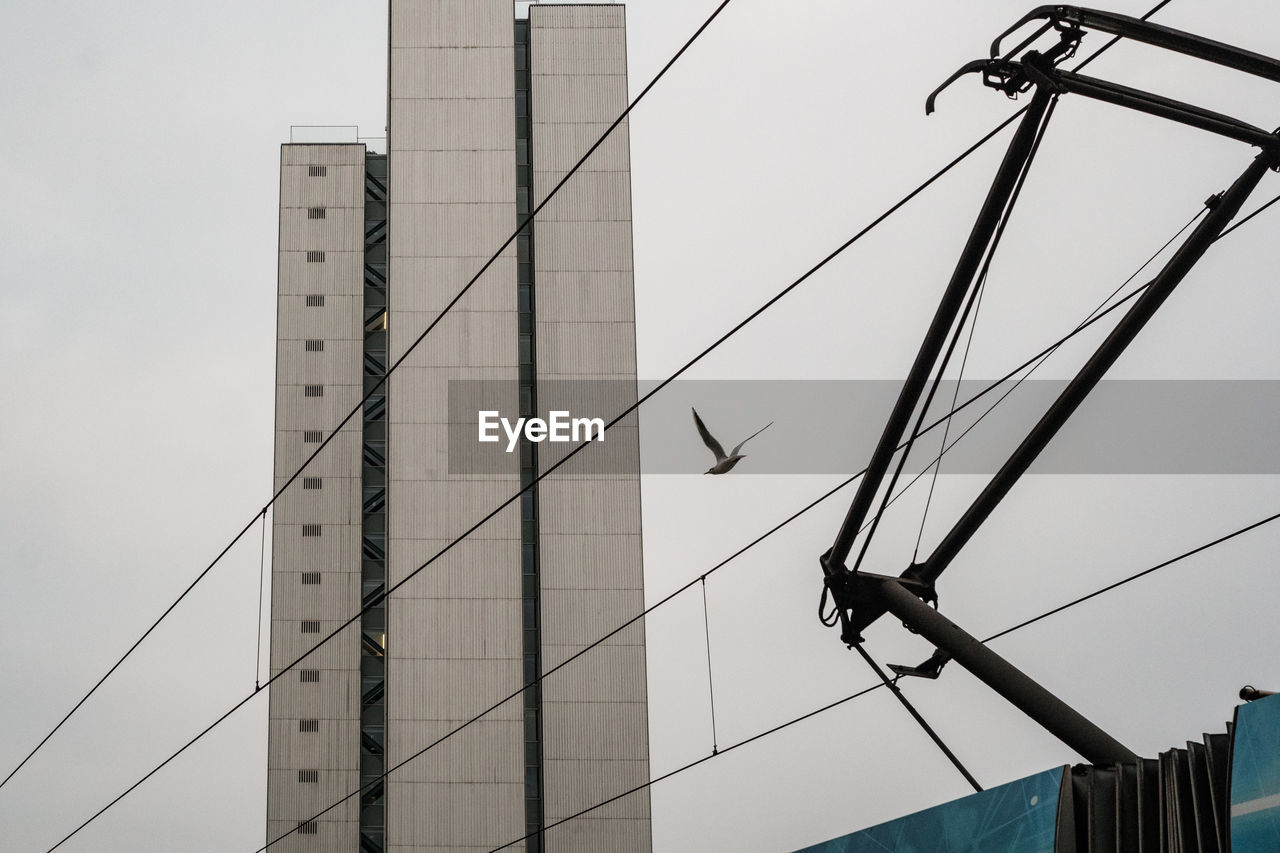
{"x":328,"y":438}
{"x":776,"y":528}
{"x":711,"y":684}
{"x":238,"y":536}
{"x":768,"y":732}
{"x":701,"y":580}
{"x":659,"y":387}
{"x":262,"y":572}
{"x":837,"y":703}
{"x":1131,"y":578}
{"x":1094,"y":316}
{"x":847,"y":482}
{"x":297,"y":473}
{"x":379,"y":384}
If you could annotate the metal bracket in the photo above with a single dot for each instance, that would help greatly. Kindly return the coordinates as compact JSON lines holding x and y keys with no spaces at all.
{"x":857,"y":595}
{"x":1007,"y":76}
{"x":931,"y":668}
{"x":1040,"y":69}
{"x":1077,"y":17}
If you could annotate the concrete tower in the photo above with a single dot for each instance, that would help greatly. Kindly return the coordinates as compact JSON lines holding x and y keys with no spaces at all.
{"x":486,"y":114}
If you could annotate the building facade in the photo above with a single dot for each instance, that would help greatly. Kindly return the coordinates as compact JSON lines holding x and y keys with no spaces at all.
{"x":486,"y":115}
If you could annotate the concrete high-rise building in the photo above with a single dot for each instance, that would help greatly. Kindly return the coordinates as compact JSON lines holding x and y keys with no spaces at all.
{"x":486,"y":114}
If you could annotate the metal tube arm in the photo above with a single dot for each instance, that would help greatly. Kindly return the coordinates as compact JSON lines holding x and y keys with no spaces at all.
{"x":1152,"y":104}
{"x":1059,"y":718}
{"x":1150,"y":33}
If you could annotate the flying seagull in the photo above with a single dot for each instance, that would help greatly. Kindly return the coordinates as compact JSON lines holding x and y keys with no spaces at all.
{"x":724,"y":464}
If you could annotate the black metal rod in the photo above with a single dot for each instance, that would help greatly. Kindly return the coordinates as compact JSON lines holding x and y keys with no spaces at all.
{"x":1074,"y":394}
{"x":1162,"y":107}
{"x":892,"y":684}
{"x":953,"y":297}
{"x":1179,"y":41}
{"x":1056,"y":716}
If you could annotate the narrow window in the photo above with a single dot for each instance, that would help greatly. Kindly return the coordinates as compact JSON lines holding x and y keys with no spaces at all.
{"x":310,"y":530}
{"x":311,"y":726}
{"x":309,"y":776}
{"x":314,"y":345}
{"x":313,"y":390}
{"x":308,"y":676}
{"x":315,"y":257}
{"x":317,"y":171}
{"x":308,"y":827}
{"x":310,"y":626}
{"x":311,"y":578}
{"x":530,"y":669}
{"x":315,"y":213}
{"x":531,"y":781}
{"x":312,"y":436}
{"x":315,"y":300}
{"x":312,"y":482}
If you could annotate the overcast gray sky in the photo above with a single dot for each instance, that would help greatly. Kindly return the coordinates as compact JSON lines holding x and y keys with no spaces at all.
{"x":139,"y":172}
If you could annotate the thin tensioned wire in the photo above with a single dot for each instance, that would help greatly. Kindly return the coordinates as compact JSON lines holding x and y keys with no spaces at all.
{"x":711,"y":687}
{"x":830,"y":493}
{"x":751,"y":317}
{"x":262,"y":571}
{"x":936,"y":465}
{"x":659,"y":387}
{"x":991,"y":249}
{"x":1247,"y":218}
{"x":1131,"y":578}
{"x":218,"y":558}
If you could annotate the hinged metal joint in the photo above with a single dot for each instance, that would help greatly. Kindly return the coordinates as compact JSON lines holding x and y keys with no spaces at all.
{"x":852,"y":592}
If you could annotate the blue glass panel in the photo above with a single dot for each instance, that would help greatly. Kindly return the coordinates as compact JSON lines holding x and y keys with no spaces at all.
{"x":1018,"y":817}
{"x":1255,"y":778}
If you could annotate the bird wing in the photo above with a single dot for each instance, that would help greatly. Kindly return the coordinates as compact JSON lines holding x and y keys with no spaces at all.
{"x":707,"y":438}
{"x":748,"y":438}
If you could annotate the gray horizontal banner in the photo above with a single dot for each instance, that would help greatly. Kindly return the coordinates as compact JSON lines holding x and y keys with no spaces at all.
{"x":832,"y":426}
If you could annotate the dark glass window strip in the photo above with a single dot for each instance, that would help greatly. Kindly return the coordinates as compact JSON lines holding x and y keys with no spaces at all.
{"x":531,"y":634}
{"x":373,"y":575}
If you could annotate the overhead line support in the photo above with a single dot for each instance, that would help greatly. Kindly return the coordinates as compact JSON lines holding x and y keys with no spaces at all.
{"x":1037,"y":70}
{"x":862,"y":598}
